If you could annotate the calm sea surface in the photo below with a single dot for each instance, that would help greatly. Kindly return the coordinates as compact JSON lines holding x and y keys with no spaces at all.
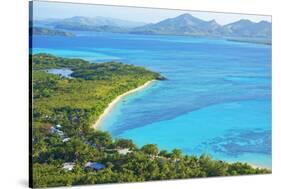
{"x":217,"y":99}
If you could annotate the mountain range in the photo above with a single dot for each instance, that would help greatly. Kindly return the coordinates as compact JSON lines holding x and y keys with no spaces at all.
{"x":187,"y":24}
{"x":184,"y":24}
{"x":80,"y":23}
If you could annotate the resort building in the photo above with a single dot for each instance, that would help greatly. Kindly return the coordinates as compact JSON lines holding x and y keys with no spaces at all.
{"x":56,"y":131}
{"x":94,"y":166}
{"x":65,"y":139}
{"x":68,"y":166}
{"x":124,"y":151}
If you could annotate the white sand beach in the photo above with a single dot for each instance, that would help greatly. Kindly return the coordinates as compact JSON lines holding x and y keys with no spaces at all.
{"x":117,"y":99}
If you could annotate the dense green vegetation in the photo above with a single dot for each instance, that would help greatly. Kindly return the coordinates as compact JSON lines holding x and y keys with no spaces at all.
{"x":73,"y":104}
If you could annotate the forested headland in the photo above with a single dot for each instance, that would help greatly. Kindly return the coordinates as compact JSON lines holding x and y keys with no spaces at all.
{"x":63,"y":141}
{"x":50,"y":32}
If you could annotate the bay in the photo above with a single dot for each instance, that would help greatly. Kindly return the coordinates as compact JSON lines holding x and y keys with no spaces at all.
{"x":217,"y":99}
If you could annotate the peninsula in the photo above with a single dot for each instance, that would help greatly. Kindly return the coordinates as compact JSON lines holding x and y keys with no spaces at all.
{"x":47,"y":31}
{"x":67,"y":150}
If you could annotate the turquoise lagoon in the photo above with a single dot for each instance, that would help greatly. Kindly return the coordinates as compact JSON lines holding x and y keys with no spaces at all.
{"x":216,"y":101}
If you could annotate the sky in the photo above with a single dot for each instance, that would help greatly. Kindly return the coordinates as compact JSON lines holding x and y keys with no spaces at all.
{"x":43,"y":10}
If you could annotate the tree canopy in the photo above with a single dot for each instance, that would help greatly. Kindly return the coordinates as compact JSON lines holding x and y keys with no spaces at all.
{"x":63,"y":112}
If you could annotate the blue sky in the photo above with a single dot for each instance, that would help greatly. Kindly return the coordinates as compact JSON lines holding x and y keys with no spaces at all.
{"x":43,"y":10}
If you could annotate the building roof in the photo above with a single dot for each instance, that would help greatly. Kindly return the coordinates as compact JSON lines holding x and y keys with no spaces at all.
{"x":68,"y":166}
{"x":55,"y":130}
{"x":94,"y":165}
{"x":65,"y":139}
{"x":123,"y":151}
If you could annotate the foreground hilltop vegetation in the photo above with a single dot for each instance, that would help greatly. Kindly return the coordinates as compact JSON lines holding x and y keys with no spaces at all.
{"x":66,"y":150}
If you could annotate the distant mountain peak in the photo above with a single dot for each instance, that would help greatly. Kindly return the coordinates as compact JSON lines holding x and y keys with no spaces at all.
{"x":91,"y":23}
{"x":247,"y":28}
{"x":185,"y":15}
{"x":245,"y":21}
{"x":264,"y":22}
{"x":213,"y":22}
{"x":76,"y":18}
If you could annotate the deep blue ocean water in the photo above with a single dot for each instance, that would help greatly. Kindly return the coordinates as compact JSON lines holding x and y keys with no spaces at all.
{"x":216,"y":101}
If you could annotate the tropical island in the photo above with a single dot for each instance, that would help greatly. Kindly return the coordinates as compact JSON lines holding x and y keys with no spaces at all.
{"x":243,"y":30}
{"x":48,"y":31}
{"x":66,"y":148}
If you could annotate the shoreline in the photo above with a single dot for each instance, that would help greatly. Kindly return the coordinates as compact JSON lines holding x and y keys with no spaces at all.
{"x":111,"y":105}
{"x":116,"y":100}
{"x":251,"y":41}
